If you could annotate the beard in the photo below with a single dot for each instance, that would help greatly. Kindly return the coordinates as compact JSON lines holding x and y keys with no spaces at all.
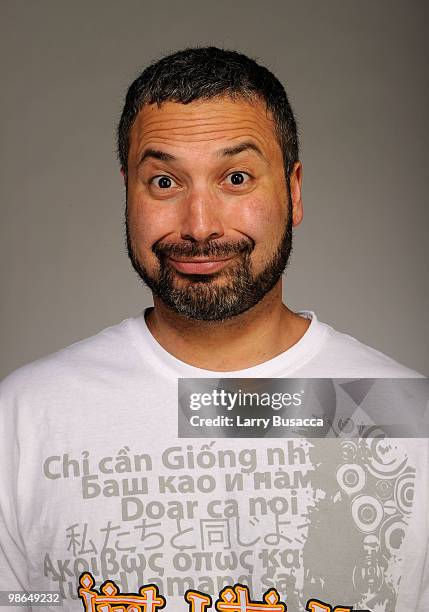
{"x":200,"y":296}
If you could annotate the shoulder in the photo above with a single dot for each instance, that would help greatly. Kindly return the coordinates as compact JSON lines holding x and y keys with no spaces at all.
{"x":350,"y":357}
{"x":340,"y":355}
{"x":71,"y":366}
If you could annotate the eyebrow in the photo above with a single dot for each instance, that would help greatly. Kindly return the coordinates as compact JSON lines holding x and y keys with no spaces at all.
{"x":156,"y":154}
{"x":244,"y":146}
{"x":227,"y":152}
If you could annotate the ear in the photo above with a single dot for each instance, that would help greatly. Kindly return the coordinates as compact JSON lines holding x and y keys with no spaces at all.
{"x":295,"y":193}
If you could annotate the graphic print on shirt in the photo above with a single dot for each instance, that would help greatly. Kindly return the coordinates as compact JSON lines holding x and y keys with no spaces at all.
{"x":148,"y":599}
{"x":323,"y":519}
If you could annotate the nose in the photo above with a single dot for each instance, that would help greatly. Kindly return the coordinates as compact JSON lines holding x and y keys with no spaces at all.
{"x":201,"y":220}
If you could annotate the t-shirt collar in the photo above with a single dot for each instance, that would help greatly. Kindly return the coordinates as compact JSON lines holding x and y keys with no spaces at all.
{"x":291,"y":359}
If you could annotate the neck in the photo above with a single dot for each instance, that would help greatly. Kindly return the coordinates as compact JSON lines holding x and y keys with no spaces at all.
{"x":257,"y":335}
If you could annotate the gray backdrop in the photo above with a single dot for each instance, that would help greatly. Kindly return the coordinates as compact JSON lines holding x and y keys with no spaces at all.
{"x":356,"y":74}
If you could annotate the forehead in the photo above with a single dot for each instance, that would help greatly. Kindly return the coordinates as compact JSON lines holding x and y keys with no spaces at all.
{"x":204,"y":125}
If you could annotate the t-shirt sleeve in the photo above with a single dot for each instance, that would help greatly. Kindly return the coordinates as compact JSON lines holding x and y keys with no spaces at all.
{"x":13,"y":561}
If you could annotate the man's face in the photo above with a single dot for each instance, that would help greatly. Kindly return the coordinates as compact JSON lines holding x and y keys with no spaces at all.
{"x":209,"y":214}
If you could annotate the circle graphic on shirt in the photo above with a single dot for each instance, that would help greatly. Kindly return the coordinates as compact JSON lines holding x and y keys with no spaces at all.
{"x":367,"y":513}
{"x":404,"y":492}
{"x":385,"y":459}
{"x":351,"y":478}
{"x":349,"y":450}
{"x":384,"y":489}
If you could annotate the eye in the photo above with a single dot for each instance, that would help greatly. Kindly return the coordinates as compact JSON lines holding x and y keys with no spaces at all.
{"x":237,"y":178}
{"x":163,"y":182}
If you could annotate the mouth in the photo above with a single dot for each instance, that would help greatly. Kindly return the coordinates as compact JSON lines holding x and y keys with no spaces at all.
{"x":199,"y":265}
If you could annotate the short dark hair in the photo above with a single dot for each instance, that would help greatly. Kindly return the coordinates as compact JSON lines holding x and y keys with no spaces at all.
{"x":204,"y":73}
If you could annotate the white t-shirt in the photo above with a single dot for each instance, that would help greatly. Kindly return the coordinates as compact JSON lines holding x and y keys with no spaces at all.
{"x":94,"y":478}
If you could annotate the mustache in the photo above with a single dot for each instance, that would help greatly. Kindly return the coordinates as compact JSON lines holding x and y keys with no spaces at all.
{"x":210,"y":249}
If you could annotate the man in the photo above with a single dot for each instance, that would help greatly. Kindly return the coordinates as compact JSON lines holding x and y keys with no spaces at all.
{"x":94,"y":476}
